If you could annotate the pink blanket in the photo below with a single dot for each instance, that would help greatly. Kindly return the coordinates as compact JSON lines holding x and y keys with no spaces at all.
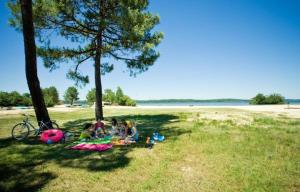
{"x":92,"y":147}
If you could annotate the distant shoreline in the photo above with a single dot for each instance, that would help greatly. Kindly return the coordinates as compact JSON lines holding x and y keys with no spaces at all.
{"x":207,"y":102}
{"x":201,"y":100}
{"x":190,"y":100}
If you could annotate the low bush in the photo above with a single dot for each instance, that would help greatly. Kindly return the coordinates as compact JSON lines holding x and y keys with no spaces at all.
{"x":261,"y":99}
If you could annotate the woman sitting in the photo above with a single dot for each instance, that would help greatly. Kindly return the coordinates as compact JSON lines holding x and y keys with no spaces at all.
{"x":115,"y":127}
{"x":130,"y":130}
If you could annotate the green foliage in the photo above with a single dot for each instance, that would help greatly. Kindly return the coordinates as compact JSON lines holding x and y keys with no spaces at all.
{"x":48,"y":101}
{"x":51,"y":96}
{"x":119,"y":96}
{"x":127,"y":101}
{"x":125,"y":29}
{"x":14,"y":99}
{"x":110,"y":96}
{"x":275,"y":99}
{"x":4,"y":99}
{"x":99,"y":30}
{"x":71,"y":95}
{"x":91,"y":96}
{"x":261,"y":99}
{"x":27,"y":99}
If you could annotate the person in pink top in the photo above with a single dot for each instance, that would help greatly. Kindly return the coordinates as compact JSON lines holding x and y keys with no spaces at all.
{"x":98,"y":126}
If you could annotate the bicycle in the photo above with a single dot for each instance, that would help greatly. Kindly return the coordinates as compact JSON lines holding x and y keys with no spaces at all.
{"x":21,"y":130}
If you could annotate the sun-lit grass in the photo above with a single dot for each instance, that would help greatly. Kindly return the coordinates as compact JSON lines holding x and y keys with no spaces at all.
{"x":205,"y":150}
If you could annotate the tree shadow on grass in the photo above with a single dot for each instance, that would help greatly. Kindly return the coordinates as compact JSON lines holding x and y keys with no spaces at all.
{"x":76,"y":126}
{"x":23,"y":177}
{"x":20,"y":177}
{"x":6,"y":142}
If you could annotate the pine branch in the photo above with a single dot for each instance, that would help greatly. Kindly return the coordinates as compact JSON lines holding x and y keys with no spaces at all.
{"x":73,"y":19}
{"x":75,"y":29}
{"x":81,"y":61}
{"x":120,"y":58}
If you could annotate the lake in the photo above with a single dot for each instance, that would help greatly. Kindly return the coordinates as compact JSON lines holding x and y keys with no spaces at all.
{"x":201,"y":102}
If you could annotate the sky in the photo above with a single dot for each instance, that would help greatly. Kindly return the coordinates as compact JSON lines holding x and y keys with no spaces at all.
{"x":211,"y":49}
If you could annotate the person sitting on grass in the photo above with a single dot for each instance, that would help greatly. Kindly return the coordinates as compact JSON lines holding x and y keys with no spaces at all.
{"x":87,"y":132}
{"x":130,"y":130}
{"x":115,"y":127}
{"x":97,"y":126}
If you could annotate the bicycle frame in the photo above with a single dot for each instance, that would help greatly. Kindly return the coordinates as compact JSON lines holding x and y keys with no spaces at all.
{"x":43,"y":124}
{"x":40,"y":127}
{"x":27,"y":122}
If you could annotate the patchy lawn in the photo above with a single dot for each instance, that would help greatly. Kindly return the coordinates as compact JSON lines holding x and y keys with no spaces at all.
{"x":205,"y":150}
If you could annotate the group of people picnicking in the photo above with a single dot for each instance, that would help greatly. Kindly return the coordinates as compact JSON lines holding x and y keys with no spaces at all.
{"x":125,"y":132}
{"x":125,"y":129}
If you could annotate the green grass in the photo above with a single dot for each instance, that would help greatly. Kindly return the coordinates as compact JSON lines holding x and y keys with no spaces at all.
{"x":242,"y":151}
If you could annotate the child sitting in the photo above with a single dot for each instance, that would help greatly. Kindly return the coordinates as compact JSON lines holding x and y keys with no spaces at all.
{"x":87,"y":132}
{"x":130,"y":130}
{"x":115,"y":127}
{"x":97,"y":126}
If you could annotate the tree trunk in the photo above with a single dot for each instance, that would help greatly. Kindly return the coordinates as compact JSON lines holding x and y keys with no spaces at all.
{"x":30,"y":63}
{"x":98,"y":85}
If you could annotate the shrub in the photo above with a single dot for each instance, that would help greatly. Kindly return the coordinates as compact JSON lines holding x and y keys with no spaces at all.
{"x":258,"y":99}
{"x":275,"y":99}
{"x":261,"y":99}
{"x":91,"y":96}
{"x":51,"y":96}
{"x":4,"y":99}
{"x":14,"y":99}
{"x":112,"y":97}
{"x":130,"y":102}
{"x":27,"y":99}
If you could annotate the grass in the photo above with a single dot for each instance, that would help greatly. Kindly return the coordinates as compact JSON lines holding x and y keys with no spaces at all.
{"x":205,"y":150}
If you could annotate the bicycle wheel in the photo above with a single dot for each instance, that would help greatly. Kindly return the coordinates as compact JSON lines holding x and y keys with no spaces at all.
{"x":20,"y":131}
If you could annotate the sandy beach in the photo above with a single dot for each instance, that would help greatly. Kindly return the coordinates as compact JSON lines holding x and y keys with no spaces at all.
{"x":291,"y":111}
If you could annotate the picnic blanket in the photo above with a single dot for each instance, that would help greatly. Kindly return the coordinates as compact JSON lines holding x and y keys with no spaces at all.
{"x":92,"y":147}
{"x":94,"y":141}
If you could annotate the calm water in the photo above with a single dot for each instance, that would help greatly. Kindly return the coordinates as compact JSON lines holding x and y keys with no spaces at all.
{"x":239,"y":103}
{"x":200,"y":103}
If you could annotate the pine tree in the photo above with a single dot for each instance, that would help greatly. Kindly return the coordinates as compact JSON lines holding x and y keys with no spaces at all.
{"x":25,"y":18}
{"x":103,"y":30}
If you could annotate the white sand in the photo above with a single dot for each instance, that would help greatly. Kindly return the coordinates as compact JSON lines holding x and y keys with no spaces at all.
{"x":293,"y":111}
{"x":58,"y":108}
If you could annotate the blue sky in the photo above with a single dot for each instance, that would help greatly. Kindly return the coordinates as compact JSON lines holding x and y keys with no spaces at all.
{"x":211,"y":49}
